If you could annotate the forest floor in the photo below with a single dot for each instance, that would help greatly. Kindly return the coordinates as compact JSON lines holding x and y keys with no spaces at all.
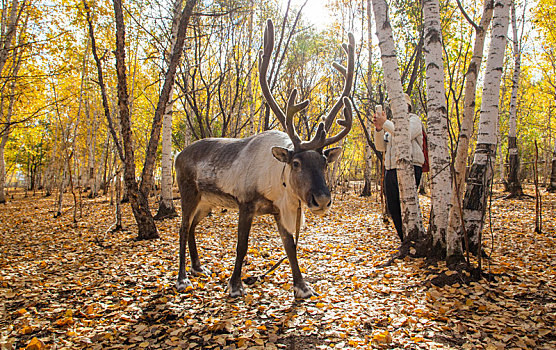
{"x":66,"y":285}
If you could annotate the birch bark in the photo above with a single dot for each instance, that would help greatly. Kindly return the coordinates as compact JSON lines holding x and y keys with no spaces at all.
{"x":166,"y":206}
{"x":480,"y":176}
{"x":367,"y":175}
{"x":8,"y":39}
{"x":454,"y":233}
{"x":437,"y":125}
{"x":514,"y":185}
{"x":412,"y":222}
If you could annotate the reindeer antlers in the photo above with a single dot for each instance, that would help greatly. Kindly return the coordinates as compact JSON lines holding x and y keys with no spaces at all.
{"x":319,"y":140}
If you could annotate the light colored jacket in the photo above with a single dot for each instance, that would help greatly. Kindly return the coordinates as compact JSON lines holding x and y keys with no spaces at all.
{"x":384,"y":142}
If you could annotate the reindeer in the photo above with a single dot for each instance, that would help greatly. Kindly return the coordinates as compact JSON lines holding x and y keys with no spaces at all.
{"x":270,"y":173}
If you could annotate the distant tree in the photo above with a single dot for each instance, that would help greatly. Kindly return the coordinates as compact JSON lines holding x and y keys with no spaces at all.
{"x":513,"y":182}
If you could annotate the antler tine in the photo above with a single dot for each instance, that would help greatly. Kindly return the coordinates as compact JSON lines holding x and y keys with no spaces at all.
{"x":291,"y":109}
{"x":347,"y":122}
{"x":317,"y":142}
{"x":348,"y":80}
{"x":264,"y":60}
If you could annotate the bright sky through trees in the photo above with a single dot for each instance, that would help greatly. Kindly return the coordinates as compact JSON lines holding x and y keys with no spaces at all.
{"x":315,"y":12}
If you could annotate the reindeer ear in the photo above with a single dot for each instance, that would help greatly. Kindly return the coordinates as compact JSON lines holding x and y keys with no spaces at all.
{"x":282,"y":154}
{"x":332,"y":154}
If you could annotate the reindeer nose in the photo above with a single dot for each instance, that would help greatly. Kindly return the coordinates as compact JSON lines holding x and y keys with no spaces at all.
{"x":320,"y":201}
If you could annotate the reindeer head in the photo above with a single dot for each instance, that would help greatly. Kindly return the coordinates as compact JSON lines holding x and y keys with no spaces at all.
{"x":308,"y":159}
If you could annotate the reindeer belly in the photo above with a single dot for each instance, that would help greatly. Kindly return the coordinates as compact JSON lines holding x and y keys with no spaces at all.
{"x":214,"y":197}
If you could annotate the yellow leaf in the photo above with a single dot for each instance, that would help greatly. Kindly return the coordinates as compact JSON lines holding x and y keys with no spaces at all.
{"x":90,"y":310}
{"x":382,"y":337}
{"x":21,"y":311}
{"x":262,"y":328}
{"x":64,"y":321}
{"x":26,"y":330}
{"x":35,"y":344}
{"x":248,"y":323}
{"x":417,"y":339}
{"x":320,"y":305}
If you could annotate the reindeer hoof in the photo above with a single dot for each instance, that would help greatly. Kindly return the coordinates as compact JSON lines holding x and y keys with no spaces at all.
{"x":235,"y":289}
{"x":303,"y":291}
{"x":183,"y":284}
{"x":198,"y":271}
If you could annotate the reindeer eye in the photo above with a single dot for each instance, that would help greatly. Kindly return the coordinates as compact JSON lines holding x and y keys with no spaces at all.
{"x":296,"y":164}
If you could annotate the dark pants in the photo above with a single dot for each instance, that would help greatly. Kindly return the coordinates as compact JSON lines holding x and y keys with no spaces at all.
{"x":393,"y":196}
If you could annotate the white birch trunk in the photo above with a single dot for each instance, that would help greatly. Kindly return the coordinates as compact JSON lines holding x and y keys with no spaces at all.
{"x":8,"y":38}
{"x":412,"y":221}
{"x":166,"y":206}
{"x":480,"y":176}
{"x":514,"y":185}
{"x":437,"y":125}
{"x":367,"y":173}
{"x":454,"y":235}
{"x":250,"y":98}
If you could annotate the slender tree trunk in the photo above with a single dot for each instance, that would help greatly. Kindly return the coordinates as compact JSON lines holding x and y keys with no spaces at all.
{"x":92,"y":143}
{"x":412,"y":221}
{"x":480,"y":176}
{"x":552,"y":184}
{"x":514,"y":185}
{"x":367,"y":175}
{"x":250,"y":98}
{"x":2,"y":169}
{"x":61,"y":189}
{"x":456,"y":233}
{"x":147,"y":174}
{"x":166,"y":205}
{"x":138,"y":199}
{"x":8,"y":37}
{"x":437,"y":124}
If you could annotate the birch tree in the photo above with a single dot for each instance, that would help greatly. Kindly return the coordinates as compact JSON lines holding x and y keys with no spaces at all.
{"x":437,"y":125}
{"x":480,"y":175}
{"x":368,"y":151}
{"x":166,"y":205}
{"x":9,"y":47}
{"x":411,"y":214}
{"x":454,"y":233}
{"x":514,"y":185}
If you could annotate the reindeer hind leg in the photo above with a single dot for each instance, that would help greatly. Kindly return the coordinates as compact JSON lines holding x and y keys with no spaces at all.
{"x":190,"y":199}
{"x":196,"y":267}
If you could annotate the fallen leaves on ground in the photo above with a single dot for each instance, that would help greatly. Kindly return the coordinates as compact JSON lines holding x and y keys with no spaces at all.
{"x":66,"y":285}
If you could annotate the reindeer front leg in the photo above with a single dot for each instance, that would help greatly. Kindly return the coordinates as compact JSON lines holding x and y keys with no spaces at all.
{"x":300,"y":287}
{"x":246,"y":213}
